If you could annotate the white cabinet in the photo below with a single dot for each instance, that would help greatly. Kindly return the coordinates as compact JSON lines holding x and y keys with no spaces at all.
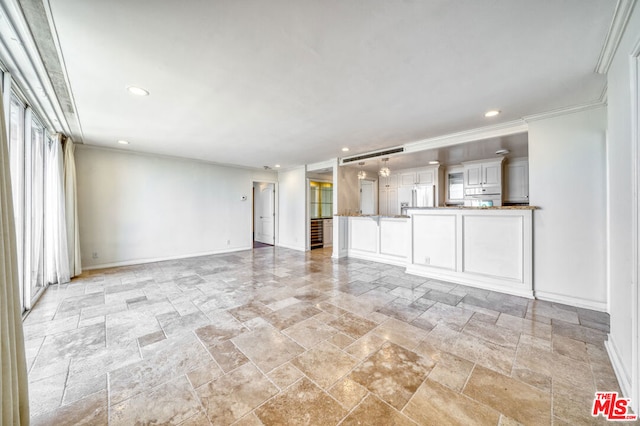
{"x":390,"y":181}
{"x":427,"y":176}
{"x":517,"y":181}
{"x":397,"y":188}
{"x":388,"y":202}
{"x":479,"y":174}
{"x":388,"y":196}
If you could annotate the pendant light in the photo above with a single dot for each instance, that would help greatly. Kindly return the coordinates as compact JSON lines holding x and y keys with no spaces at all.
{"x":361,"y":173}
{"x":384,"y":171}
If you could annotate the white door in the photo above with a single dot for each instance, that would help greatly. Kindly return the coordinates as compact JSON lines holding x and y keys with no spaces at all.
{"x":264,"y":212}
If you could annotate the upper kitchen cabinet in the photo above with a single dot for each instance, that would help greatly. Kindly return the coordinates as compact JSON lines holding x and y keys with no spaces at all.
{"x":483,"y":173}
{"x":389,"y":182}
{"x":426,"y":176}
{"x":517,"y":181}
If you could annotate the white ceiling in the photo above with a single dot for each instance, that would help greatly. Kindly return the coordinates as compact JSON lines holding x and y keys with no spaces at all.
{"x":257,"y":82}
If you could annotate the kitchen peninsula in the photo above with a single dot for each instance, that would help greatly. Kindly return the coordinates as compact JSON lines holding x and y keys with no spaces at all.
{"x":485,"y":247}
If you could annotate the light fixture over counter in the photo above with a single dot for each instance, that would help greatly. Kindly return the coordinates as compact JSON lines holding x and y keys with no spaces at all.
{"x":384,"y":171}
{"x":361,"y":173}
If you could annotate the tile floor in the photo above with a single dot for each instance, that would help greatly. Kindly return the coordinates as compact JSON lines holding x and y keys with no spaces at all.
{"x":274,"y":336}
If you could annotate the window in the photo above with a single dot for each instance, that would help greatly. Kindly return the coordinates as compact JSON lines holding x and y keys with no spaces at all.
{"x":16,"y":167}
{"x":27,"y":149}
{"x":35,"y":153}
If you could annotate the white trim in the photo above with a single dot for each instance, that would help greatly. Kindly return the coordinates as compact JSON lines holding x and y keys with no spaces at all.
{"x":618,"y":367}
{"x":376,"y":257}
{"x":162,"y":259}
{"x":30,"y":73}
{"x":619,"y":22}
{"x":504,"y":129}
{"x":287,"y":246}
{"x":565,"y":111}
{"x":571,"y":301}
{"x":471,"y":280}
{"x":83,"y":146}
{"x":327,"y":164}
{"x":56,"y":42}
{"x":276,"y":229}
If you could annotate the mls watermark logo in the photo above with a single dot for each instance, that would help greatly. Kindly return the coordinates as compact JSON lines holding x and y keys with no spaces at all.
{"x":611,"y":407}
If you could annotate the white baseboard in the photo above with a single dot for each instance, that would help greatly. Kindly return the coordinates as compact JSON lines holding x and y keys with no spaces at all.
{"x":486,"y":283}
{"x":374,"y":257}
{"x":618,"y":367}
{"x":287,"y":246}
{"x":161,"y":259}
{"x":571,"y":301}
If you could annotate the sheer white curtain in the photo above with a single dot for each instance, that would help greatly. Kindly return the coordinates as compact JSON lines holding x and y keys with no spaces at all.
{"x":71,"y":209}
{"x":14,"y":393}
{"x":57,"y":264}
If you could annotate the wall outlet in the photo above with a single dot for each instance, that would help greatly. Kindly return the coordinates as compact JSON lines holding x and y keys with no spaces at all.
{"x":427,"y":260}
{"x":94,"y":255}
{"x":228,"y":242}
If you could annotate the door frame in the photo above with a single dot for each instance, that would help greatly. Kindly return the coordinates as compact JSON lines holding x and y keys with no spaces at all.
{"x":276,"y":228}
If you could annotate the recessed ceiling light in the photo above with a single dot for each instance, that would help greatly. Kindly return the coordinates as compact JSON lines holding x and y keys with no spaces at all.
{"x":492,"y":113}
{"x":434,"y":162}
{"x":502,"y":152}
{"x":277,"y":166}
{"x":345,"y":149}
{"x":122,"y":142}
{"x":139,"y":91}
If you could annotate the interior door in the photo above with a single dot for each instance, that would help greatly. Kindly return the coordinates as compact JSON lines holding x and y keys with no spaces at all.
{"x":265,"y":213}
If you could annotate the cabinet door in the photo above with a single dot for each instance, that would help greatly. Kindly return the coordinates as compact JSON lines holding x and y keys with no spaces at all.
{"x":491,"y":174}
{"x":426,"y":177}
{"x":517,"y":182}
{"x":472,"y":175}
{"x":407,"y":179}
{"x":392,"y":202}
{"x":390,"y":181}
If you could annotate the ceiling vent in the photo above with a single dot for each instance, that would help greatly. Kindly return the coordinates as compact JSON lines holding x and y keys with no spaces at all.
{"x":375,"y":154}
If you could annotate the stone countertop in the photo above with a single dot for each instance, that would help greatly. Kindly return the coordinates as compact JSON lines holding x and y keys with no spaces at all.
{"x":440,"y":208}
{"x":476,"y":208}
{"x":398,"y":216}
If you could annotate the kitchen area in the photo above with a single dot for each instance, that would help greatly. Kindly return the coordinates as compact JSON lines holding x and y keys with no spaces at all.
{"x":459,"y":214}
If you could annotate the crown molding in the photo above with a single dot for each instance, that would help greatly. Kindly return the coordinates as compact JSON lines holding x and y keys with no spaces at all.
{"x":21,"y":58}
{"x":570,"y":110}
{"x":614,"y":35}
{"x":498,"y":130}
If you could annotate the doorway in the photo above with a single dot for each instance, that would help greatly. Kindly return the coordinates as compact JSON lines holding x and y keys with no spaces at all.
{"x":264,"y":213}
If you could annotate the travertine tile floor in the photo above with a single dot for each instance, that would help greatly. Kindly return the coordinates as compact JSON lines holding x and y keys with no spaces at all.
{"x":273,"y":336}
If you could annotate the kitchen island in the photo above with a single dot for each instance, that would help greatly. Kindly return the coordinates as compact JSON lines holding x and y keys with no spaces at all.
{"x":485,"y":247}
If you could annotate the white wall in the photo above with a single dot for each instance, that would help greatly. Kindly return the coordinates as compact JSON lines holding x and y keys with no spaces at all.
{"x":137,"y":207}
{"x":623,"y":339}
{"x":292,"y":202}
{"x":567,"y":180}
